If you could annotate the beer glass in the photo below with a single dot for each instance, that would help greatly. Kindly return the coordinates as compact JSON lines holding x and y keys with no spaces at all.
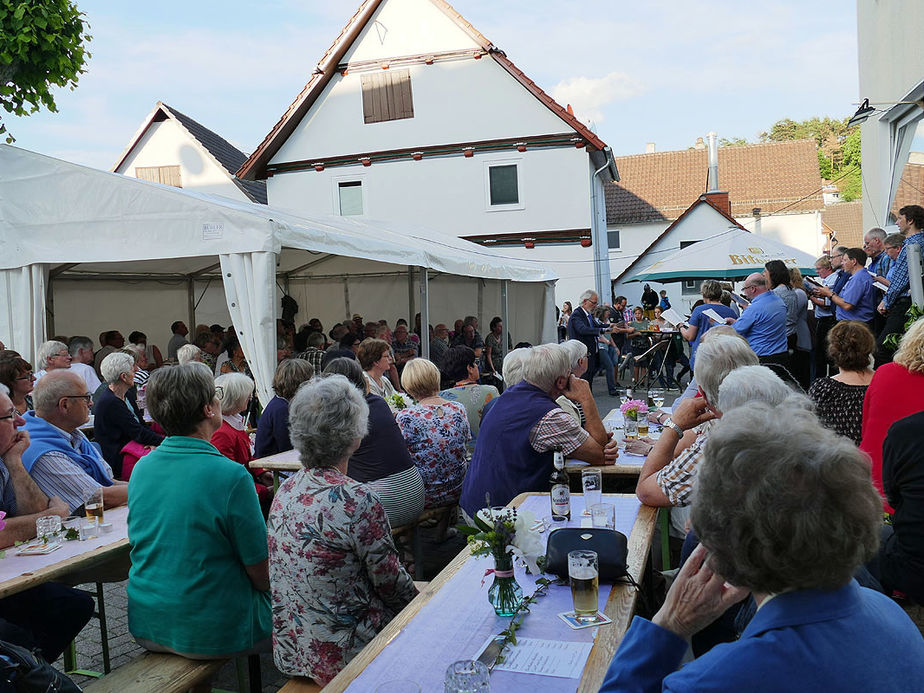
{"x":631,"y":428}
{"x":592,"y":483}
{"x":603,"y":515}
{"x":467,"y":676}
{"x":657,"y":398}
{"x":93,"y":505}
{"x":643,"y":425}
{"x":584,"y":576}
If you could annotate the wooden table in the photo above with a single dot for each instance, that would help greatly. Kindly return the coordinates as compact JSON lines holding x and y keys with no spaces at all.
{"x":619,"y":606}
{"x":18,"y":573}
{"x":280,"y":462}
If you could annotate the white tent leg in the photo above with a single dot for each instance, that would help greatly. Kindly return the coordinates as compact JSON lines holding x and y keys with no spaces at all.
{"x":503,"y":315}
{"x":424,"y":313}
{"x":23,"y":318}
{"x":410,"y":297}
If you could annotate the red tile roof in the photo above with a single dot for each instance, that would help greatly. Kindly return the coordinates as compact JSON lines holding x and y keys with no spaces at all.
{"x":844,"y":221}
{"x":255,"y":167}
{"x":777,"y":177}
{"x":910,"y":188}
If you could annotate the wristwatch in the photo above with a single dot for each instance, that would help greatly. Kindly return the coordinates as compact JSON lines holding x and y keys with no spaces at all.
{"x":674,"y":427}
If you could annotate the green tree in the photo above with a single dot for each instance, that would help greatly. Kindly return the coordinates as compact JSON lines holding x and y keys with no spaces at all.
{"x":838,"y":149}
{"x":733,"y":141}
{"x":41,"y":46}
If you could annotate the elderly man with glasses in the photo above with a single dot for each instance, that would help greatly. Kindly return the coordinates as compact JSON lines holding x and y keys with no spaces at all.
{"x":763,"y":323}
{"x":60,"y":458}
{"x":585,"y":328}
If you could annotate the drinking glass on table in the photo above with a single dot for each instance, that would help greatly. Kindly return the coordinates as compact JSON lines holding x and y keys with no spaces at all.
{"x":603,"y":515}
{"x":584,"y":577}
{"x":643,"y":425}
{"x":657,"y":397}
{"x":631,"y":428}
{"x":48,"y":528}
{"x":592,"y":483}
{"x":467,"y":676}
{"x":93,"y":505}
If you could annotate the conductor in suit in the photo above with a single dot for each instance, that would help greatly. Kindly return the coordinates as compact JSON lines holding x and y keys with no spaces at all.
{"x":583,"y":327}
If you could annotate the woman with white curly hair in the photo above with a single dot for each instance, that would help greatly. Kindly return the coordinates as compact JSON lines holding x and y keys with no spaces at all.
{"x":334,"y":570}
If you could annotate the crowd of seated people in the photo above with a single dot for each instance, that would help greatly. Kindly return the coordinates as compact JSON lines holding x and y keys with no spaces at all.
{"x":374,"y":462}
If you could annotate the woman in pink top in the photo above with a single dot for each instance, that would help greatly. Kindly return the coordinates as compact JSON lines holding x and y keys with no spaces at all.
{"x":896,"y":391}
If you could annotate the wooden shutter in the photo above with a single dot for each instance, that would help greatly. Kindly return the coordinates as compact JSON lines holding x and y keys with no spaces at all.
{"x":387,"y":96}
{"x":165,"y":175}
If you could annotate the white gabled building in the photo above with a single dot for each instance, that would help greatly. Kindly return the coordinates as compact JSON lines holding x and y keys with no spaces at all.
{"x":173,"y":149}
{"x":413,"y":115}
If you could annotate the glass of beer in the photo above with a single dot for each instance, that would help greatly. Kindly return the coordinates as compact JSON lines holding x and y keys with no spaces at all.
{"x":584,"y":576}
{"x":643,"y":425}
{"x":93,"y":505}
{"x":592,"y":483}
{"x":631,"y":428}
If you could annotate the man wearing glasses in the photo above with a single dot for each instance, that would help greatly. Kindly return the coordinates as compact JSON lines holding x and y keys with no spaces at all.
{"x":763,"y":323}
{"x":583,"y":327}
{"x":50,"y":615}
{"x":837,"y":260}
{"x":60,"y":458}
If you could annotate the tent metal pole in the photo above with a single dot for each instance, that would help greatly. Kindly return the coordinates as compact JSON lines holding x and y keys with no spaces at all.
{"x":191,"y":303}
{"x":503,"y":317}
{"x":410,"y":295}
{"x":479,"y":309}
{"x":50,"y":306}
{"x":424,"y":313}
{"x":346,"y":298}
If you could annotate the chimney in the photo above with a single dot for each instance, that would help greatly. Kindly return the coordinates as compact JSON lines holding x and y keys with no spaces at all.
{"x":719,"y":200}
{"x":650,"y":148}
{"x":713,"y":156}
{"x":699,"y":143}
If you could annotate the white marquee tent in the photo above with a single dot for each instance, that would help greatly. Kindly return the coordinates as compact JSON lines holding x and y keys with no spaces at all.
{"x":114,"y":240}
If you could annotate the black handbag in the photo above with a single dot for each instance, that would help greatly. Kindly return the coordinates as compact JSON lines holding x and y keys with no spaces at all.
{"x":611,"y":548}
{"x":23,"y":671}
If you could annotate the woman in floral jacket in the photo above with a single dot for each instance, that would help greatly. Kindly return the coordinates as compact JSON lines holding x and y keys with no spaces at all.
{"x":335,"y":574}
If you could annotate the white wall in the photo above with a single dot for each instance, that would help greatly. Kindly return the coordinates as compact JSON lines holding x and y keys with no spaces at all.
{"x":88,"y":307}
{"x":891,"y":60}
{"x":167,"y":144}
{"x":449,"y":195}
{"x":454,"y":102}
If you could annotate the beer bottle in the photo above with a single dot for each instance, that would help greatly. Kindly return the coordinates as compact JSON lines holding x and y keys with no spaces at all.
{"x":560,"y":490}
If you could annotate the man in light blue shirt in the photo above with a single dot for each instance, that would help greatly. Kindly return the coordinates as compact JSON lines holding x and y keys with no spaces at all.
{"x":857,"y":300}
{"x":763,"y":323}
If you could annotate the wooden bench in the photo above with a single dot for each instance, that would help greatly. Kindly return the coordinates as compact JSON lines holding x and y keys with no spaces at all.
{"x":300,"y":685}
{"x":158,"y":673}
{"x":441,"y":514}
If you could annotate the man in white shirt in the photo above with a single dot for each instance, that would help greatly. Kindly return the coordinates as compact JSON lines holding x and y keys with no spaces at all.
{"x":81,"y":351}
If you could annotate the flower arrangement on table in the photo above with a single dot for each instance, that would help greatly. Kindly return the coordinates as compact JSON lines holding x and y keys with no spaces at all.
{"x":505,"y":534}
{"x":633,"y":409}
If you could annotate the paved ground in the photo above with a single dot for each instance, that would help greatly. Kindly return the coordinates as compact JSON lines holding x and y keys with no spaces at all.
{"x":123,"y":648}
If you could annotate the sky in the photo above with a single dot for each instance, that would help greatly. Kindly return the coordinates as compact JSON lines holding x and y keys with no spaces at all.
{"x":661,"y":71}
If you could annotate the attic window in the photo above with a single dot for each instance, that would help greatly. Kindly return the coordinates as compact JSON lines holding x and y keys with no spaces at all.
{"x":503,"y":182}
{"x":387,"y":96}
{"x":165,"y":175}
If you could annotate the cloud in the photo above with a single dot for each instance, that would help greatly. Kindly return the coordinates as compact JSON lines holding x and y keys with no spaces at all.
{"x":588,"y":95}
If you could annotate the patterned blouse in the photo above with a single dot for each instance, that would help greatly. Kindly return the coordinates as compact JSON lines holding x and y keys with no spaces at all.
{"x":473,"y":398}
{"x":436,"y":436}
{"x":335,"y":574}
{"x":839,"y":406}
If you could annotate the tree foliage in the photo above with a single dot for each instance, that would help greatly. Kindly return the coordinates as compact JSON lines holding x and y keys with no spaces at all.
{"x":41,"y":46}
{"x":838,"y":149}
{"x":733,"y":141}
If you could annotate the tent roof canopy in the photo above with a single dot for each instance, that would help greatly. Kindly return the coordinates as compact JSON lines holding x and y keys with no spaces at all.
{"x":732,"y":254}
{"x":80,"y":221}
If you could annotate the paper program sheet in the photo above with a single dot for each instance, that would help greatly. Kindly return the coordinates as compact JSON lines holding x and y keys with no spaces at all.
{"x":546,"y":657}
{"x":672,"y":317}
{"x":715,"y":317}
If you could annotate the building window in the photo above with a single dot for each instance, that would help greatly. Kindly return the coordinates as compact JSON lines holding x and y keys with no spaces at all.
{"x":165,"y":175}
{"x":689,"y":286}
{"x":387,"y":96}
{"x":612,"y":239}
{"x":503,"y":185}
{"x":350,"y":197}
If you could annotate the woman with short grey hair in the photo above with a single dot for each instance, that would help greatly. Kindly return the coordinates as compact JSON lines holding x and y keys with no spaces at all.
{"x":199,"y":580}
{"x":326,"y":525}
{"x":50,"y":356}
{"x":117,"y":420}
{"x":232,"y":438}
{"x":785,"y":510}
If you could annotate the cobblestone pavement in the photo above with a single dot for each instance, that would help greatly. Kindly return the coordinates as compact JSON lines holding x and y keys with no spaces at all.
{"x":123,"y":648}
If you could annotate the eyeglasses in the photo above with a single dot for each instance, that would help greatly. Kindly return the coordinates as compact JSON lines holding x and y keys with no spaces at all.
{"x":86,"y":398}
{"x":837,"y":256}
{"x":11,"y":416}
{"x":62,"y":354}
{"x":26,"y":376}
{"x":219,"y":391}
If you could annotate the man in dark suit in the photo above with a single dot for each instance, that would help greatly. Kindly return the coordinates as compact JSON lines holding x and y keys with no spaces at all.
{"x":583,"y":327}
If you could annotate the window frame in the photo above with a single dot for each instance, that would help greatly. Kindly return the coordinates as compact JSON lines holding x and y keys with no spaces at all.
{"x":335,"y":194}
{"x":496,"y":163}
